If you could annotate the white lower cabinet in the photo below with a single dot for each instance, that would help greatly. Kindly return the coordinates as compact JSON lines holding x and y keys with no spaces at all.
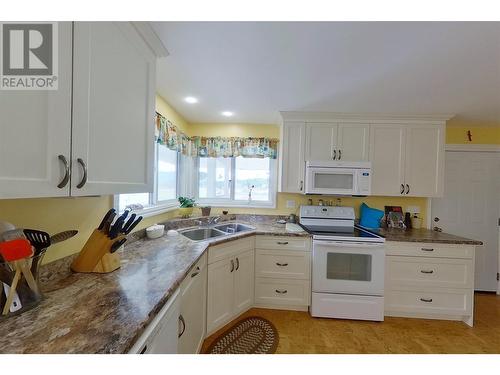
{"x":161,"y":335}
{"x":230,"y":281}
{"x":193,"y":311}
{"x":433,"y":281}
{"x":283,"y":272}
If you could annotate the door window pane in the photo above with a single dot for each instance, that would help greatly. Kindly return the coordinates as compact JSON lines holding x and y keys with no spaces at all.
{"x":340,"y":266}
{"x":167,"y":174}
{"x":214,"y":176}
{"x":252,"y":174}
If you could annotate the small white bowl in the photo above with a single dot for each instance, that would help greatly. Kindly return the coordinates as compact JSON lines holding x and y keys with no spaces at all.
{"x":155,"y":231}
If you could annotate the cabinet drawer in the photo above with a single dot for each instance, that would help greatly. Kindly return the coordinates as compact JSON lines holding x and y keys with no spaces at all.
{"x":283,"y":243}
{"x":281,"y":292}
{"x":428,"y":272}
{"x":283,"y":264}
{"x":432,"y":250}
{"x":428,"y":301}
{"x":229,"y":249}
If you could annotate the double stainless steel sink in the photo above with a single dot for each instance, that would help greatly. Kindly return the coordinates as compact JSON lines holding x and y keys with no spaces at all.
{"x":206,"y":233}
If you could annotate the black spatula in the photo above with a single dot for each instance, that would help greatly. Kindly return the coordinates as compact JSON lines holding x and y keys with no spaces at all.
{"x":39,"y":240}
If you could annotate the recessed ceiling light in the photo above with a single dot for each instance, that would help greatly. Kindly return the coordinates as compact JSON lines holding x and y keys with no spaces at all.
{"x":227,"y":113}
{"x":191,"y":99}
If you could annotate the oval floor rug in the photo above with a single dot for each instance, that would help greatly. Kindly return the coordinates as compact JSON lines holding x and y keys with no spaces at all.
{"x":253,"y":335}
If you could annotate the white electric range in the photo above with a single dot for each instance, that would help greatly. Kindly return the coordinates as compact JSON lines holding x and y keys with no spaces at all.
{"x":347,"y":267}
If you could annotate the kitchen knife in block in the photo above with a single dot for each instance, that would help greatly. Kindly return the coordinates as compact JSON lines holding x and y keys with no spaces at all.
{"x":95,"y":249}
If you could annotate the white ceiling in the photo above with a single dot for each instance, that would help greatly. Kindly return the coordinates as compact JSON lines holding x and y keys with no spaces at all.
{"x":257,"y":69}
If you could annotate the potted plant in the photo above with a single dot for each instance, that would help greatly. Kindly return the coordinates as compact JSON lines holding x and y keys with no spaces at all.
{"x":186,"y":206}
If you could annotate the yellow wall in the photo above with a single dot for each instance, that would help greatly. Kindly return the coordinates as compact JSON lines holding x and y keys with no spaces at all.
{"x":482,"y":133}
{"x":235,"y":130}
{"x":170,"y":113}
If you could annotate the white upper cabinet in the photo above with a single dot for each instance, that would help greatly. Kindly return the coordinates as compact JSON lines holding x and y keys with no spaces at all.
{"x":337,"y":141}
{"x":35,"y":133}
{"x":407,"y":159}
{"x":352,"y":141}
{"x":93,"y":135}
{"x":406,"y":152}
{"x":292,"y":162}
{"x":113,"y":110}
{"x":424,"y":161}
{"x":321,"y":141}
{"x":387,"y":152}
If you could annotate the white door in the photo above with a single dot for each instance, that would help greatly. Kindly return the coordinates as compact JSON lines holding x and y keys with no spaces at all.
{"x":470,"y":208}
{"x":353,"y":142}
{"x":220,"y":293}
{"x":387,"y":153}
{"x":113,"y":110}
{"x":292,"y":157}
{"x":35,"y":128}
{"x":321,"y":141}
{"x":193,"y":310}
{"x":424,"y":161}
{"x":244,"y":279}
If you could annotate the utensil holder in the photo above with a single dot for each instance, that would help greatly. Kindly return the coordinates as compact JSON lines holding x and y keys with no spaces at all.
{"x":95,"y":255}
{"x":28,"y":298}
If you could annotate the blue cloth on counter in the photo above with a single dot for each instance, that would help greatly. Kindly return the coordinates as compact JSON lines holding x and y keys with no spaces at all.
{"x":370,"y":217}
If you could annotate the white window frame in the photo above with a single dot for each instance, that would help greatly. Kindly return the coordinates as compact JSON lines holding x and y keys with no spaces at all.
{"x":231,"y":202}
{"x":155,"y":206}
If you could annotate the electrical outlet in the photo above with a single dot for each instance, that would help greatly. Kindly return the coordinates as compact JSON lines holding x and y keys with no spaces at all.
{"x":413,"y":209}
{"x":290,"y":204}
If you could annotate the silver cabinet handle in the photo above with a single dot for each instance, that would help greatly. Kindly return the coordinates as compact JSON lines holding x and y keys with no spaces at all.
{"x":427,"y":271}
{"x":407,"y":189}
{"x":282,"y":242}
{"x":196,"y":272}
{"x":402,"y":189}
{"x":426,"y":249}
{"x":181,"y":319}
{"x":237,"y":264}
{"x":84,"y":179}
{"x":340,"y":154}
{"x":426,"y":300}
{"x":282,"y":264}
{"x":301,"y":185}
{"x":281,"y":291}
{"x":65,"y":179}
{"x":232,"y":265}
{"x":334,"y":154}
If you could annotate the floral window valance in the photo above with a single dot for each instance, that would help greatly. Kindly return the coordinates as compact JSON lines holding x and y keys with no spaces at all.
{"x":169,"y":135}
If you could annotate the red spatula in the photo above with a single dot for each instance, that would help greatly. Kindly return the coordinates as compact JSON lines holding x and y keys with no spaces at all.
{"x":17,"y":252}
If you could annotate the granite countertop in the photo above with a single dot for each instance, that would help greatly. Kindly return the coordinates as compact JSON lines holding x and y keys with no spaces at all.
{"x":106,"y":313}
{"x":424,"y":235}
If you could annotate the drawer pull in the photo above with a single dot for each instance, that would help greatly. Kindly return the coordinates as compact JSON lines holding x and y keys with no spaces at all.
{"x":282,"y":243}
{"x":427,"y":271}
{"x":281,"y":291}
{"x":426,"y":299}
{"x":282,"y":264}
{"x":427,"y":249}
{"x":196,"y":272}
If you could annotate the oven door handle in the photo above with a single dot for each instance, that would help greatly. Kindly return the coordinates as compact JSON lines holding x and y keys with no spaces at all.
{"x":348,"y":244}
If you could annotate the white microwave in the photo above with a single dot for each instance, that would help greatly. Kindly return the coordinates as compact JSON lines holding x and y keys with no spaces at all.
{"x":338,"y":178}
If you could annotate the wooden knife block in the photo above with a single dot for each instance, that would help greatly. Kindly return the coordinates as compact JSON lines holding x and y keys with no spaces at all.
{"x":95,"y":255}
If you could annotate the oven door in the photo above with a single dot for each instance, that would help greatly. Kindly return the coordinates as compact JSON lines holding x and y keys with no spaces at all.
{"x":348,"y":267}
{"x":331,"y":181}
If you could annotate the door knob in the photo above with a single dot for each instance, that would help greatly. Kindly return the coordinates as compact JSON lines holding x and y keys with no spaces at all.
{"x":437,"y":229}
{"x":436,"y":219}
